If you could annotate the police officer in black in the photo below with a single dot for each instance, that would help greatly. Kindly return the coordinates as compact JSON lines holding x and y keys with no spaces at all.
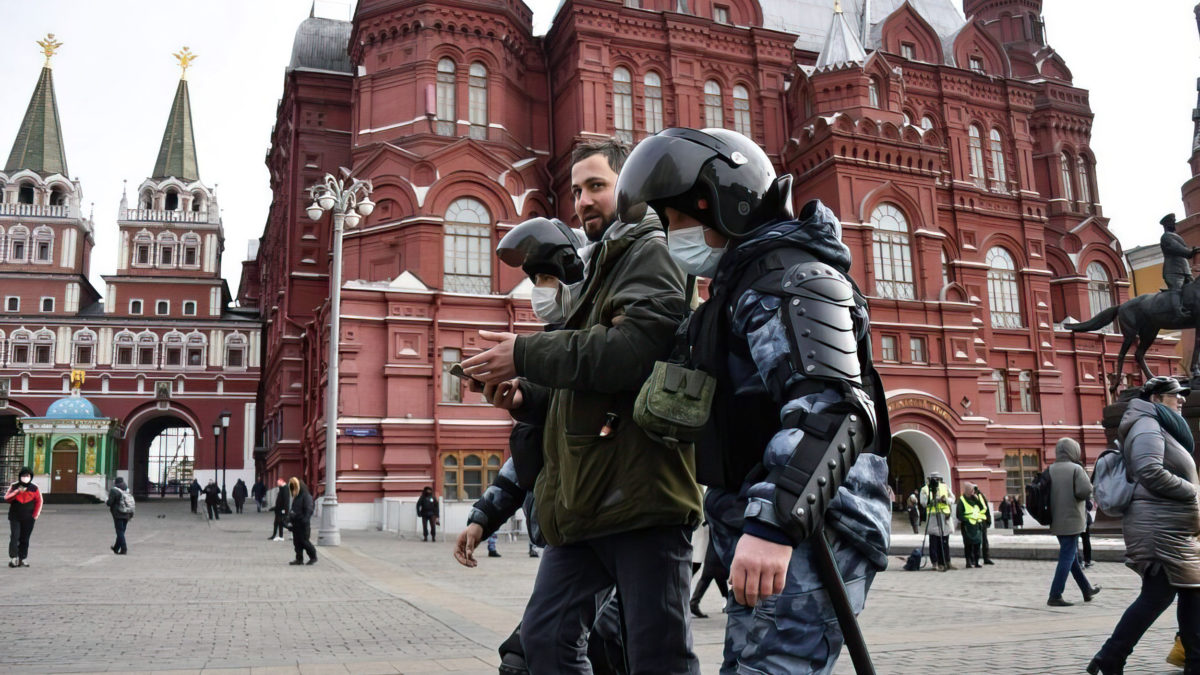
{"x":1177,"y":263}
{"x":797,"y":403}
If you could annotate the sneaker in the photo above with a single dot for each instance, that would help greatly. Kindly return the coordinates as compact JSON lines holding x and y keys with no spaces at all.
{"x":1089,"y":564}
{"x":296,"y":562}
{"x":22,"y":563}
{"x":12,"y":563}
{"x":277,"y":539}
{"x":311,"y":561}
{"x":1058,"y":602}
{"x":988,"y":562}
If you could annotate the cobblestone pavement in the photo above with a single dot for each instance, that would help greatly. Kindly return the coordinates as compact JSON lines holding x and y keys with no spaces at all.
{"x":195,"y":597}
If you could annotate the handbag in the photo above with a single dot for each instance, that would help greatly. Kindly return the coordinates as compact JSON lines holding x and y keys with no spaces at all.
{"x":673,"y":405}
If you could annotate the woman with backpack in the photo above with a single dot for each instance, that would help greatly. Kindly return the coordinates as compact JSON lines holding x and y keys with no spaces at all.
{"x":1161,"y":523}
{"x":121,"y":504}
{"x":24,"y":506}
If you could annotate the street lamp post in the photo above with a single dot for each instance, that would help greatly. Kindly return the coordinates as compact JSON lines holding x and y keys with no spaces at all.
{"x":347,"y":199}
{"x":225,"y":415}
{"x":216,"y":427}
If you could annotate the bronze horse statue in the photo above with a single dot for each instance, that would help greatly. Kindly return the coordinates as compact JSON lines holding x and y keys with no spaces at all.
{"x":1141,"y":318}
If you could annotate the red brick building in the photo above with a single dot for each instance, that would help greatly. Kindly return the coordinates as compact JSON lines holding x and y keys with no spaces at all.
{"x":954,"y":150}
{"x":163,"y":350}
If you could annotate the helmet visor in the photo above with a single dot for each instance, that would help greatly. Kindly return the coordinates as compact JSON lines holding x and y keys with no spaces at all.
{"x":535,"y":241}
{"x":660,"y":167}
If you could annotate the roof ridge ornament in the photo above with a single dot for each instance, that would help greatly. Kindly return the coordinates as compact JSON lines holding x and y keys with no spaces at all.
{"x":185,"y":58}
{"x":49,"y":47}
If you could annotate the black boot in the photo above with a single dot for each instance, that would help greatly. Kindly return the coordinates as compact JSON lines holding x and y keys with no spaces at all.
{"x":1097,"y":666}
{"x":297,"y":561}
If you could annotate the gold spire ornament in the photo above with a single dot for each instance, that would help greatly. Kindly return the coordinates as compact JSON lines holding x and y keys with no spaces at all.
{"x":185,"y":58}
{"x":49,"y":47}
{"x":837,"y":6}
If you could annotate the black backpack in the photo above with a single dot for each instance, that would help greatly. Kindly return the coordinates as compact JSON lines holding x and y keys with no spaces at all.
{"x":1037,"y":498}
{"x":913,"y":563}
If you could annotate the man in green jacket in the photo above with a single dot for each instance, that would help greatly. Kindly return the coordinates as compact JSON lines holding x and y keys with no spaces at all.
{"x":615,"y":506}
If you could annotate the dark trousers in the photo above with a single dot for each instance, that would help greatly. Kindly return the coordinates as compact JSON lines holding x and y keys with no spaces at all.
{"x":300,"y":542}
{"x":18,"y":542}
{"x":214,"y":510}
{"x":1087,"y":544}
{"x":984,"y":546}
{"x":120,"y":524}
{"x":277,"y":528}
{"x":195,"y":502}
{"x":428,"y":527}
{"x":939,"y":549}
{"x":1156,"y":596}
{"x":259,"y":502}
{"x":712,"y":571}
{"x":650,"y":567}
{"x":239,"y":504}
{"x":913,"y":520}
{"x":1068,"y":561}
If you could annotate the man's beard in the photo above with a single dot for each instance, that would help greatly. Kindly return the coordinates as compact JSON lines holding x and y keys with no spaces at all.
{"x":597,"y":236}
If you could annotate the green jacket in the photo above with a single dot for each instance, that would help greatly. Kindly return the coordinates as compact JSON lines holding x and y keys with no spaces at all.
{"x":625,"y":320}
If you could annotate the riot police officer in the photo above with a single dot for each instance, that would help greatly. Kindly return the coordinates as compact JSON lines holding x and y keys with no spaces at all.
{"x":785,"y":334}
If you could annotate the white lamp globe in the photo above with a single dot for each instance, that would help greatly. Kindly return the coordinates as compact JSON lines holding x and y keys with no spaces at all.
{"x":326,"y":201}
{"x":314,"y":211}
{"x":366,"y":206}
{"x":352,"y":219}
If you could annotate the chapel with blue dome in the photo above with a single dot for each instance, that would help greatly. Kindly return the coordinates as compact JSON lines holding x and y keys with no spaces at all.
{"x":72,"y":448}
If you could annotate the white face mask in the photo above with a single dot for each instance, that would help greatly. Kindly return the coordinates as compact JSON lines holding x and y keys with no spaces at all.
{"x":25,"y":479}
{"x":692,"y":253}
{"x":546,"y":304}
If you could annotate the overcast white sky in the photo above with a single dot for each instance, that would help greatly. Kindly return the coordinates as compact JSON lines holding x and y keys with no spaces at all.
{"x":115,"y":77}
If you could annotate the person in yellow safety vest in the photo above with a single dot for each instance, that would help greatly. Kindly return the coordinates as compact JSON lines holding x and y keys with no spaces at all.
{"x":936,"y":498}
{"x":987,"y":523}
{"x":972,"y":511}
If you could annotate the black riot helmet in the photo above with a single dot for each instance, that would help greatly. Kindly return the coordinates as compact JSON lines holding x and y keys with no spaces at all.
{"x":675,"y":167}
{"x":543,"y":246}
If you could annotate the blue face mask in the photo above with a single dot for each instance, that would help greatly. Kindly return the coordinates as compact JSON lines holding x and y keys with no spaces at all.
{"x":692,"y":253}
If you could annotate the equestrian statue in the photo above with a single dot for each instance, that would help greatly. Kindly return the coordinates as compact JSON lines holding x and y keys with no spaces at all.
{"x":1142,"y":317}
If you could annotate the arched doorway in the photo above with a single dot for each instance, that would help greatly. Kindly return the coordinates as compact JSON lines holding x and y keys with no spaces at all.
{"x":904,"y":470}
{"x":915,"y":454}
{"x":163,"y":456}
{"x":64,"y":467}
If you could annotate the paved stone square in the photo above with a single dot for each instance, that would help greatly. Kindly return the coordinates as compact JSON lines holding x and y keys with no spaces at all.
{"x":198,"y":597}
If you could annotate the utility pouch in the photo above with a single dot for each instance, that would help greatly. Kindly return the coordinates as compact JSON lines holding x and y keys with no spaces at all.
{"x":674,"y":403}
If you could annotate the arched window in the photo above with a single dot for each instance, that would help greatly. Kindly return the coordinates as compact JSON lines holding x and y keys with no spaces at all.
{"x":1004,"y":294}
{"x":43,"y":244}
{"x":741,"y":110}
{"x":3,"y":245}
{"x":190,"y":256}
{"x":235,"y":351}
{"x":1085,"y":179}
{"x":196,"y":349}
{"x":18,"y":244}
{"x":873,"y":91}
{"x":147,"y":350}
{"x":477,"y":101}
{"x":198,"y":203}
{"x":173,"y":345}
{"x":445,"y":97}
{"x":166,"y":250}
{"x":714,"y":109}
{"x":468,"y":248}
{"x":1100,"y":291}
{"x":652,"y":92}
{"x":623,"y":104}
{"x":976,"y":148}
{"x":58,"y":196}
{"x":947,"y":273}
{"x":20,"y":348}
{"x":926,"y":123}
{"x":123,"y":345}
{"x":143,"y":248}
{"x":43,"y":348}
{"x":171,"y":202}
{"x":83,"y":348}
{"x":25,"y":193}
{"x":1068,"y":192}
{"x":146,"y":200}
{"x":999,"y":175}
{"x":893,"y":254}
{"x":1000,"y":377}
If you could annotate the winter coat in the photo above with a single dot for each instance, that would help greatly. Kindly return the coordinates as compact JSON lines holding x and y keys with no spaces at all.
{"x":625,"y":320}
{"x":1177,"y":255}
{"x":282,"y":500}
{"x":259,"y":491}
{"x":1006,"y":510}
{"x":194,"y":489}
{"x":1069,"y":487}
{"x":427,"y":506}
{"x":114,"y":501}
{"x":23,"y":505}
{"x":240,"y":492}
{"x":971,"y":532}
{"x":302,"y":507}
{"x":212,"y":494}
{"x":1162,"y":522}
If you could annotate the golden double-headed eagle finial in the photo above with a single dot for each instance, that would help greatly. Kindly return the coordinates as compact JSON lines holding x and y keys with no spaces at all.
{"x":185,"y":58}
{"x":77,"y":378}
{"x":49,"y":47}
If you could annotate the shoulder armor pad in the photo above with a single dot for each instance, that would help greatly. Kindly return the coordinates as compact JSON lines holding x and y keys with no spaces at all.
{"x":818,"y":316}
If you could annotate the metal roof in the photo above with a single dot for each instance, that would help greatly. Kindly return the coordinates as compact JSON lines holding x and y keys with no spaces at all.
{"x":177,"y":154}
{"x":322,"y":44}
{"x":841,"y":45}
{"x":809,"y":19}
{"x":39,"y":144}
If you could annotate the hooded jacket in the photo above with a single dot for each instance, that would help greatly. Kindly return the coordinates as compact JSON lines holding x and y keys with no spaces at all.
{"x":239,"y":491}
{"x":212,"y":493}
{"x":625,"y":319}
{"x":1162,"y":522}
{"x":302,"y":502}
{"x":23,"y":505}
{"x":282,"y":500}
{"x":1069,"y":488}
{"x":114,"y":499}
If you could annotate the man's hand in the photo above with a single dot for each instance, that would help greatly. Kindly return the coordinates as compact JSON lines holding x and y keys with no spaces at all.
{"x":506,"y":395}
{"x":496,"y":364}
{"x":759,"y":569}
{"x":468,"y":540}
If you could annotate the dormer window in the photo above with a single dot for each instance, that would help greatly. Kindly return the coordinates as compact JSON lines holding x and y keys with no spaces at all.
{"x":720,"y":14}
{"x":874,"y":92}
{"x":908,"y":51}
{"x":977,"y":64}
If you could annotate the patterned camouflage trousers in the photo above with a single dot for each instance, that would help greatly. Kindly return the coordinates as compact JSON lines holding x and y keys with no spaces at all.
{"x":796,"y":632}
